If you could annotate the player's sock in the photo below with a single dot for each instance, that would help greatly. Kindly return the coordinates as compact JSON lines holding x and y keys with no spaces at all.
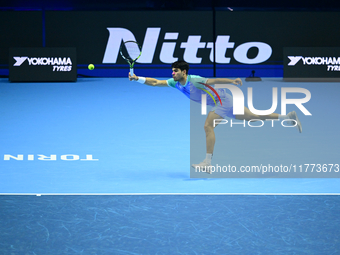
{"x":283,"y":117}
{"x":208,"y":158}
{"x":293,"y":116}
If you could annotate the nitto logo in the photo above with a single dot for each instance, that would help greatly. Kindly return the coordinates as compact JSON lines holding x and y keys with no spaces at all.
{"x":191,"y":47}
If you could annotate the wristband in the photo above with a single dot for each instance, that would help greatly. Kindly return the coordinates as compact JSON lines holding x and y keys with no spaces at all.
{"x":141,"y":79}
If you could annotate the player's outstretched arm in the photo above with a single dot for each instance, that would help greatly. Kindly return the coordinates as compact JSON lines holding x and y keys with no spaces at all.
{"x":237,"y":81}
{"x":149,"y":81}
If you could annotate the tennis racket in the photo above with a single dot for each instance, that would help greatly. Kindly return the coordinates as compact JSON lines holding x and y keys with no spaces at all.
{"x":130,"y":51}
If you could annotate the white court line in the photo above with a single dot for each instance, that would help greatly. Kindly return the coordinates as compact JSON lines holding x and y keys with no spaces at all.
{"x":169,"y":194}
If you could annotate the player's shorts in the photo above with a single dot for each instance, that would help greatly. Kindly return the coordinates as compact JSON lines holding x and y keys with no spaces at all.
{"x":226,"y":109}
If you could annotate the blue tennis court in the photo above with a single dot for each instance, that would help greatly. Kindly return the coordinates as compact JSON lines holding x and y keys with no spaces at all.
{"x":113,"y":136}
{"x":102,"y":166}
{"x":190,"y":224}
{"x":75,"y":143}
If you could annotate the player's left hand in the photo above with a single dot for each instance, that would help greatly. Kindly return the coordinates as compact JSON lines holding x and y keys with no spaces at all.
{"x":237,"y":81}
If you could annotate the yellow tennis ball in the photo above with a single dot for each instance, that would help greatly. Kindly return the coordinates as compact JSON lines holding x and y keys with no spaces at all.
{"x":91,"y":67}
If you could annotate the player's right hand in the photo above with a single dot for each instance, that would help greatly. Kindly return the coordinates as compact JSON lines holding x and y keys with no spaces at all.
{"x":133,"y":77}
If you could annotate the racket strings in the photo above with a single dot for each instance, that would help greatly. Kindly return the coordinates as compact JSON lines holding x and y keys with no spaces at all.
{"x":132,"y":50}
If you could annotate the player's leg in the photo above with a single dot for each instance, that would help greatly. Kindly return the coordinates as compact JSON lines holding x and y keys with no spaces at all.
{"x":209,"y":126}
{"x":248,"y":115}
{"x":210,"y":123}
{"x":219,"y":112}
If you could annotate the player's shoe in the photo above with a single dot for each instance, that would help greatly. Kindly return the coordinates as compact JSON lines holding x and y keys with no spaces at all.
{"x":292,"y":115}
{"x":204,"y":167}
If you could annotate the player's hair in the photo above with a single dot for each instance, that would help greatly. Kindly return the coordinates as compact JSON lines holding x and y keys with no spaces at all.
{"x":182,"y":65}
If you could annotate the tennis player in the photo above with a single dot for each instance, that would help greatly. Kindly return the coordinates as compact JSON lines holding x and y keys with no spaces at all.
{"x":192,"y":87}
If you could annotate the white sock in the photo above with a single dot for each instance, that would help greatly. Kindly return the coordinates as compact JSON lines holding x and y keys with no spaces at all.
{"x":208,"y":158}
{"x":283,"y":117}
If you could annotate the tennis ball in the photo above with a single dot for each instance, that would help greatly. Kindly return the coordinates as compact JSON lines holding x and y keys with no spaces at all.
{"x":91,"y":67}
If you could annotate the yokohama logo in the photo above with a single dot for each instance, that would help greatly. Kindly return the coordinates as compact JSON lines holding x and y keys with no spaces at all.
{"x":42,"y":61}
{"x":191,"y":46}
{"x":314,"y":60}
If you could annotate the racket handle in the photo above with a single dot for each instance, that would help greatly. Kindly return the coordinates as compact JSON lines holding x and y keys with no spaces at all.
{"x":131,"y":71}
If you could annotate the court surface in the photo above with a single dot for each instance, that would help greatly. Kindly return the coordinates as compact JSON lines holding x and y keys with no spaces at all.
{"x":113,"y":136}
{"x":153,"y":224}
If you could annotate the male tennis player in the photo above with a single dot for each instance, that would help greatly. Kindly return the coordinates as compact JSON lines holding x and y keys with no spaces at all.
{"x":192,"y":87}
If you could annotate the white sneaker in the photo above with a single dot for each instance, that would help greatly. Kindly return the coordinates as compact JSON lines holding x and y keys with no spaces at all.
{"x":292,"y":115}
{"x":204,"y":167}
